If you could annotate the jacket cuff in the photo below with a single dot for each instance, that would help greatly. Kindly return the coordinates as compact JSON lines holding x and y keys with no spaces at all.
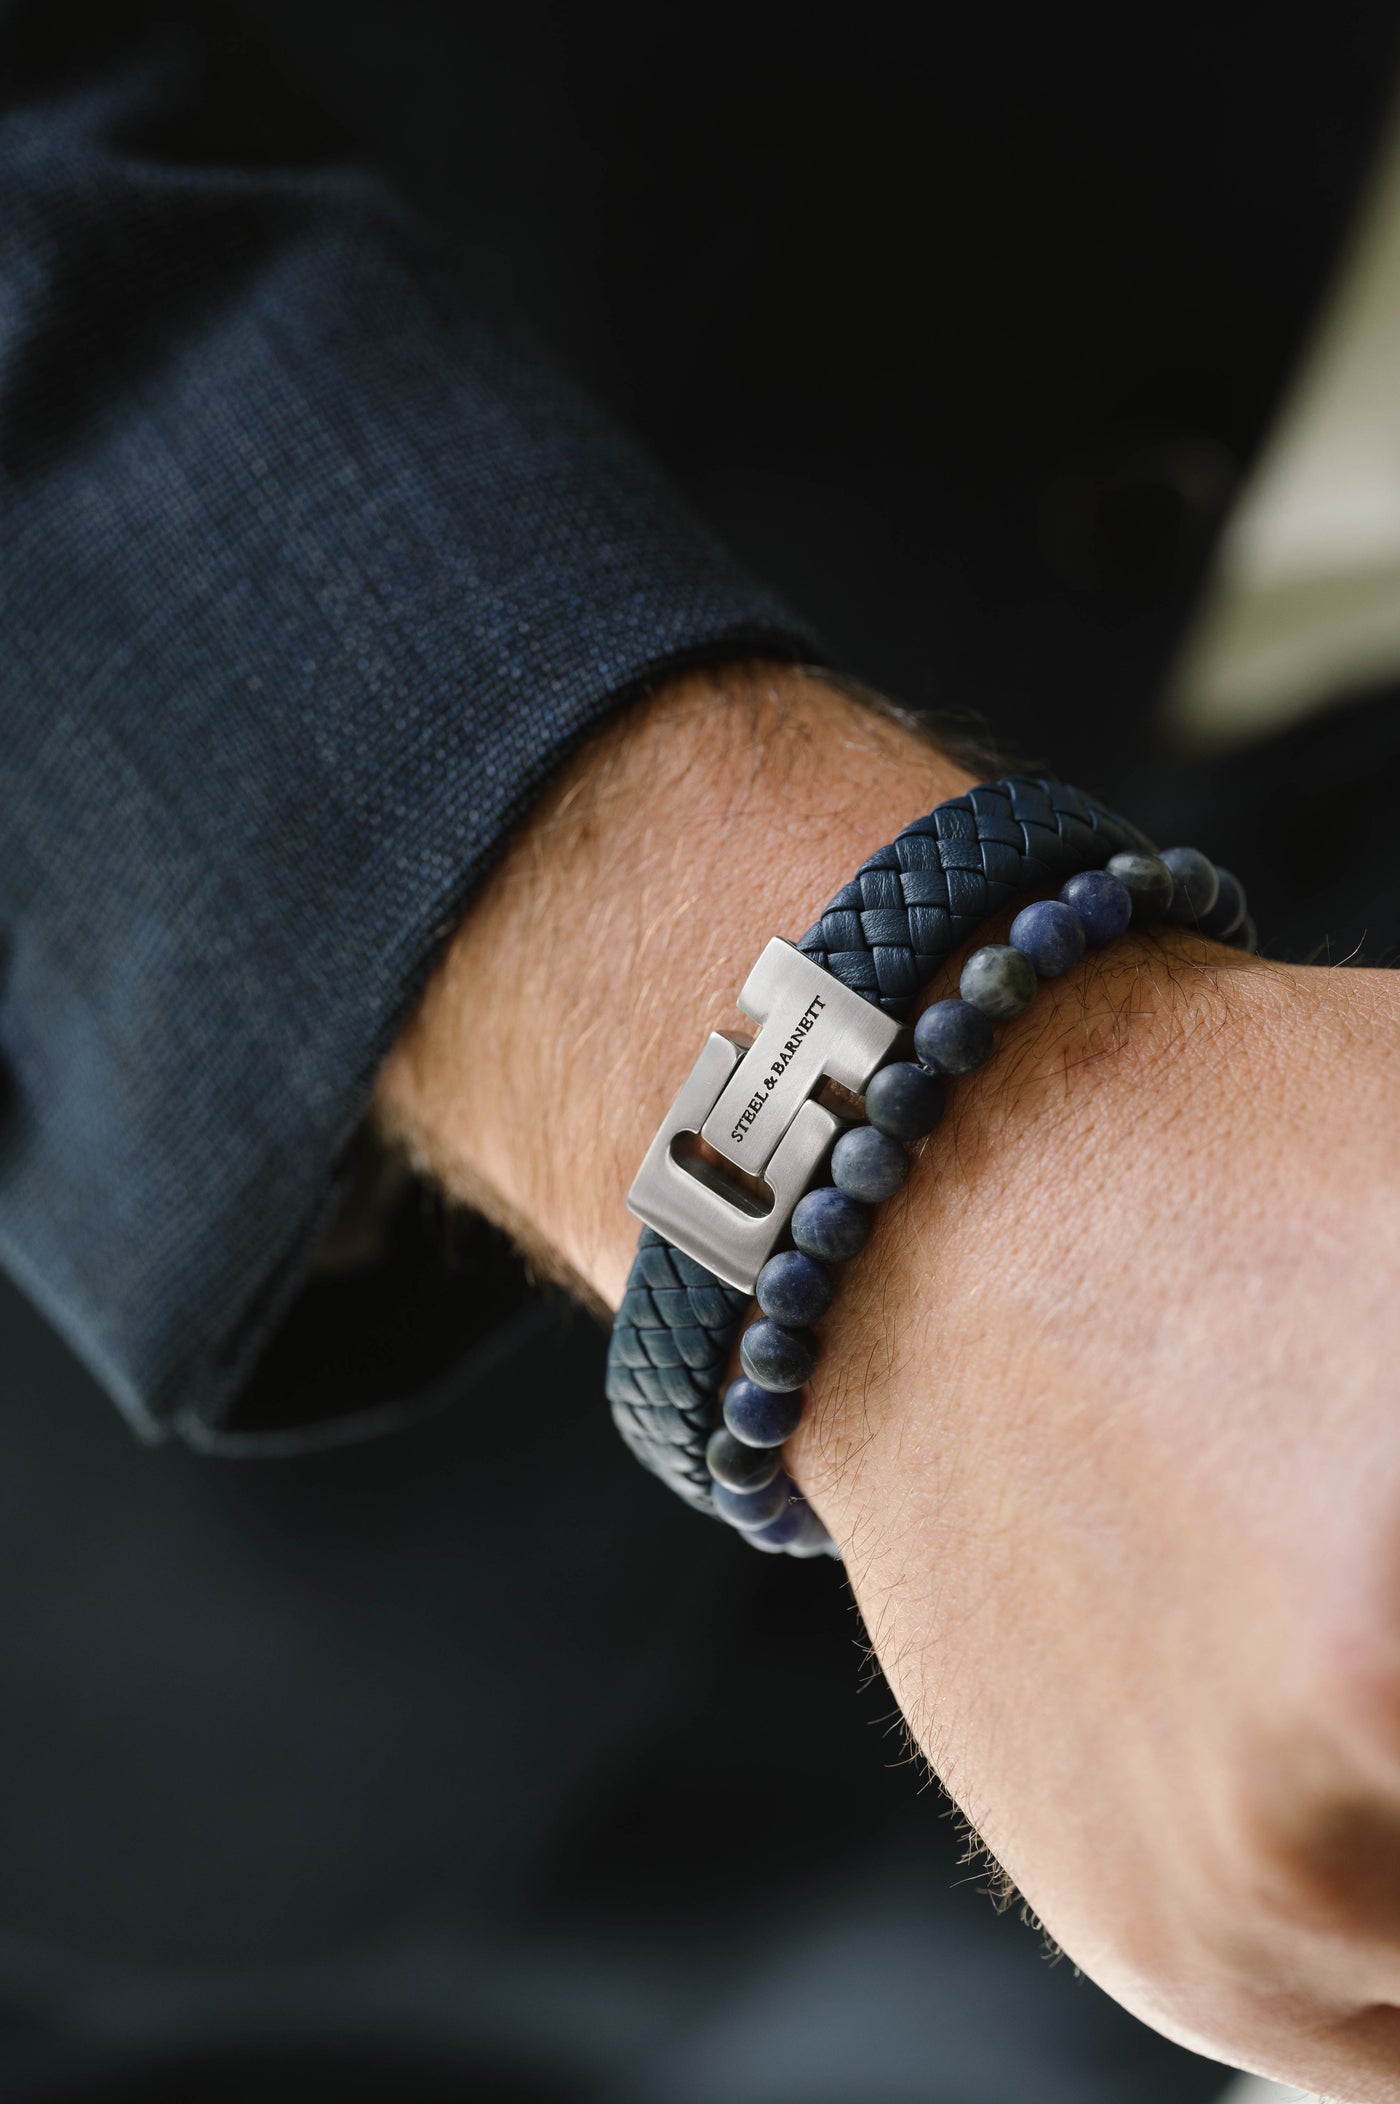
{"x":294,"y":625}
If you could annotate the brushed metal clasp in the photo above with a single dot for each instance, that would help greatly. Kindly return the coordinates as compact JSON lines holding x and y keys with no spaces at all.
{"x":750,"y":1108}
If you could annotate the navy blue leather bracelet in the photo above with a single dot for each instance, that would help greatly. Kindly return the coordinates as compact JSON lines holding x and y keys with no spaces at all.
{"x":729,"y":1188}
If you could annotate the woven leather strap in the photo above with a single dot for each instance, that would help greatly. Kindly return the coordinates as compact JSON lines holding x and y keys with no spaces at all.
{"x":885,"y":934}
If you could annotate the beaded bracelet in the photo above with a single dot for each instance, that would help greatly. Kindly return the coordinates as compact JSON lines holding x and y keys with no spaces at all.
{"x":827,"y":1225}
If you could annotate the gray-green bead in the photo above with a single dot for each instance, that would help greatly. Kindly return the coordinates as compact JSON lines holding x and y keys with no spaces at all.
{"x":999,"y":981}
{"x":1149,"y":883}
{"x":740,"y":1467}
{"x":1196,"y":885}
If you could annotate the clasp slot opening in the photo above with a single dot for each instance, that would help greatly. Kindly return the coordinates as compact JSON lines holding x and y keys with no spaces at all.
{"x":749,"y":1195}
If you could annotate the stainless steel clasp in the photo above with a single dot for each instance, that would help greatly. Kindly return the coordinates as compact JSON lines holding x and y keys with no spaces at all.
{"x":749,"y":1108}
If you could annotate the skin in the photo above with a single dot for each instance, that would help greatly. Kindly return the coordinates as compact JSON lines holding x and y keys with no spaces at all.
{"x":1106,"y":1421}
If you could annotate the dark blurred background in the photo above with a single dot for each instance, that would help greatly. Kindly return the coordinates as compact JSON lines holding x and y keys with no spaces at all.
{"x":466,"y":1762}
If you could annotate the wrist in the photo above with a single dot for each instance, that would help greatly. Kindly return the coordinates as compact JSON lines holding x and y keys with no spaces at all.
{"x":1021,"y":1228}
{"x":617,"y":931}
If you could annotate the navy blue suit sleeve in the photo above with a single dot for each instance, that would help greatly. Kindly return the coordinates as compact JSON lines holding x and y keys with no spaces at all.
{"x":310,"y":577}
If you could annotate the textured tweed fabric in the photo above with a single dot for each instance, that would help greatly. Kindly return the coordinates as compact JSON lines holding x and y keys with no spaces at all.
{"x":312,"y":574}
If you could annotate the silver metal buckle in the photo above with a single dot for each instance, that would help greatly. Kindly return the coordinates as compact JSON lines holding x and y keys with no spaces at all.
{"x":752,"y":1105}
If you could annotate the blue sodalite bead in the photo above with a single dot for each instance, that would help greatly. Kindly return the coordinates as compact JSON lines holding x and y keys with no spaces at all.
{"x":869,"y":1164}
{"x":998,"y":980}
{"x":904,"y":1100}
{"x":813,"y":1540}
{"x":760,"y":1417}
{"x":1148,"y":881}
{"x":788,"y":1527}
{"x":953,"y":1037}
{"x":739,"y":1467}
{"x":830,"y":1224}
{"x":1230,"y":910}
{"x":1103,"y":904}
{"x":753,"y":1508}
{"x":1051,"y":935}
{"x":775,"y":1356}
{"x":793,"y":1288}
{"x":1196,"y":885}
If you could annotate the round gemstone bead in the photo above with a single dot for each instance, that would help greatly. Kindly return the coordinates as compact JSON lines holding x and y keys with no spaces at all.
{"x":904,"y":1100}
{"x":830,"y":1224}
{"x":1246,"y":937}
{"x":1051,"y":935}
{"x":953,"y":1037}
{"x":1196,"y":885}
{"x":753,"y":1508}
{"x":1148,"y":881}
{"x":759,"y":1417}
{"x":788,"y":1527}
{"x":740,"y":1467}
{"x":869,"y":1164}
{"x":1230,"y":910}
{"x":775,"y":1356}
{"x":813,"y":1540}
{"x":998,"y":980}
{"x":1103,"y":904}
{"x":793,"y":1288}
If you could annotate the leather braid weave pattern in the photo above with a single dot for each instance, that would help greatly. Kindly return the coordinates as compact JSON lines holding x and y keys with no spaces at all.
{"x":670,"y":1346}
{"x":886,"y":934}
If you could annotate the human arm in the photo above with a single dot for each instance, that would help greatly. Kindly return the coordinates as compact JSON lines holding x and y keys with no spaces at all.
{"x":1105,"y":1420}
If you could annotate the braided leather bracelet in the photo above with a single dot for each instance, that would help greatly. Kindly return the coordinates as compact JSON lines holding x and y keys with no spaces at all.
{"x":726,"y":1180}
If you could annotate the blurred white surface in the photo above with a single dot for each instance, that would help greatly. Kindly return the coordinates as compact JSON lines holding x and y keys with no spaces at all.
{"x":1304,"y":606}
